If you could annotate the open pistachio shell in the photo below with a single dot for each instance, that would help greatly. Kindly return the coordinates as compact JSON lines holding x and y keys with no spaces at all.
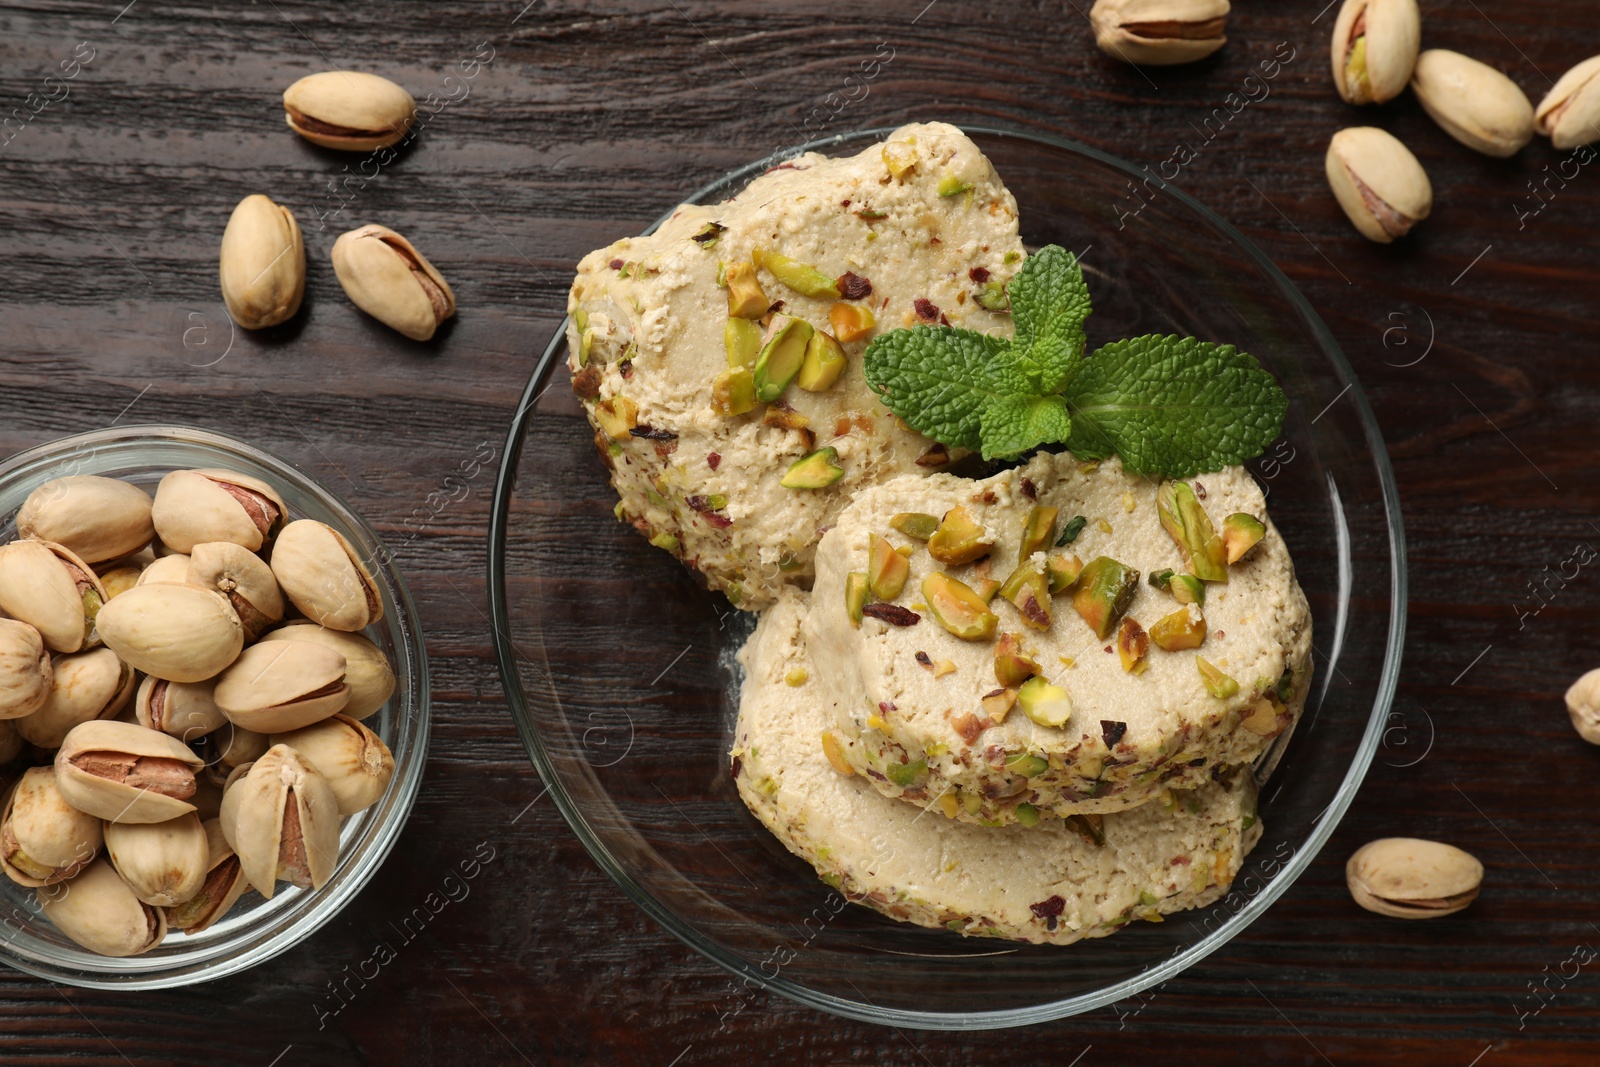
{"x":25,"y":670}
{"x":1473,"y":102}
{"x":164,"y":863}
{"x":384,"y":275}
{"x":126,"y":773}
{"x":194,"y":507}
{"x":322,"y":575}
{"x":348,"y":110}
{"x":354,"y":760}
{"x":282,"y":685}
{"x":282,"y":819}
{"x":1410,"y":878}
{"x":182,"y":633}
{"x":367,"y":670}
{"x":43,"y":839}
{"x":1569,"y":114}
{"x":1583,"y":705}
{"x":1159,"y":32}
{"x":1378,"y":182}
{"x":262,"y":264}
{"x":99,"y":911}
{"x":242,"y":577}
{"x":224,"y":884}
{"x":51,"y":589}
{"x":1375,"y":46}
{"x":185,"y":710}
{"x":95,"y":518}
{"x":166,"y":570}
{"x":84,"y":686}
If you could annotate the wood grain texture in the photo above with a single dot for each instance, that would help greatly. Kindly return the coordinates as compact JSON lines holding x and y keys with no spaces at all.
{"x":591,"y":119}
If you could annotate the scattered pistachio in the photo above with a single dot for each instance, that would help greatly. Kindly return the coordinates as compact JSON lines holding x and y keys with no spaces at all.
{"x":817,"y":470}
{"x":887,"y":570}
{"x":856,"y":591}
{"x":1184,"y":628}
{"x":733,"y":392}
{"x":1045,"y":704}
{"x":1011,"y":666}
{"x":746,"y":299}
{"x":1038,"y":530}
{"x":1217,"y":684}
{"x":1063,"y":572}
{"x":1133,"y":644}
{"x":1070,"y":532}
{"x":1569,"y":114}
{"x":851,"y":322}
{"x":1473,"y":102}
{"x":262,"y":263}
{"x":1583,"y":705}
{"x":1375,"y":44}
{"x":783,"y":353}
{"x":1378,"y":182}
{"x":959,"y":539}
{"x":997,"y":704}
{"x":803,"y":278}
{"x":1241,"y":533}
{"x":384,"y":275}
{"x":1159,"y":32}
{"x":957,"y":608}
{"x":1105,"y":590}
{"x":742,"y":338}
{"x":915,"y":524}
{"x":348,"y":110}
{"x":824,"y":363}
{"x":1185,"y":520}
{"x":1409,"y":878}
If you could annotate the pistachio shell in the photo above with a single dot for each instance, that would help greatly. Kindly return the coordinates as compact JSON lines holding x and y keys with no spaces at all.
{"x":354,"y":760}
{"x":385,"y":276}
{"x":283,"y":821}
{"x":51,"y":589}
{"x":367,"y":670}
{"x":178,"y":632}
{"x":322,"y":575}
{"x":241,"y":576}
{"x":125,"y":773}
{"x":85,"y":686}
{"x":1409,"y":878}
{"x":1583,"y":705}
{"x":194,"y":507}
{"x":262,"y":263}
{"x":25,"y":671}
{"x":348,"y":110}
{"x":1159,"y":32}
{"x":185,"y":710}
{"x":283,"y":685}
{"x":99,"y":911}
{"x":1389,"y":34}
{"x":40,"y":831}
{"x":1473,"y":102}
{"x":168,"y":569}
{"x":1569,"y":114}
{"x":163,"y":863}
{"x":95,"y":518}
{"x":1378,"y":182}
{"x":224,"y":884}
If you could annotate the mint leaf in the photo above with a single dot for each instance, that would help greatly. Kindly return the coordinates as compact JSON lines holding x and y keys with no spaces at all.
{"x":936,"y":378}
{"x":1010,"y":425}
{"x":1049,"y":303}
{"x":1173,"y":407}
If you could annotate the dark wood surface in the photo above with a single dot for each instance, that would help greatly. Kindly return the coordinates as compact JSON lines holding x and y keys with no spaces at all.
{"x":1475,"y":340}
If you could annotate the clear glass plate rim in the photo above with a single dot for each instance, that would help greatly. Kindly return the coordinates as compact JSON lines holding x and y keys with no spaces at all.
{"x":505,"y":653}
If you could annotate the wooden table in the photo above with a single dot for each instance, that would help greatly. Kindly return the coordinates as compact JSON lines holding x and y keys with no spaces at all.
{"x":1475,"y":340}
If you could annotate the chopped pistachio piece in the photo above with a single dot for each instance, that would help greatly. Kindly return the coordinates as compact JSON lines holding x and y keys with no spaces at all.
{"x":957,"y":608}
{"x":1241,"y":533}
{"x":959,"y":539}
{"x":1028,"y":590}
{"x":742,"y":338}
{"x":1285,"y":687}
{"x":1070,"y":532}
{"x":1011,"y":666}
{"x":780,"y":414}
{"x":993,"y":297}
{"x":1133,"y":644}
{"x":1037,"y":531}
{"x":796,"y":677}
{"x":1263,"y":718}
{"x":733,"y":392}
{"x":900,"y":158}
{"x":835,"y":753}
{"x":746,"y":298}
{"x":1104,"y":592}
{"x":950,"y":185}
{"x":665,"y":541}
{"x":1027,"y":764}
{"x":617,"y":416}
{"x":887,"y":570}
{"x":1161,"y":579}
{"x":856,"y":590}
{"x":1186,"y":521}
{"x":823,"y":364}
{"x":1090,"y":828}
{"x":783,"y":353}
{"x":915,"y":524}
{"x":1045,"y":704}
{"x":818,"y":470}
{"x":1027,"y":814}
{"x":1218,"y":684}
{"x":905,"y":774}
{"x":998,"y":704}
{"x":851,"y":322}
{"x":1184,"y":628}
{"x":1063,"y":572}
{"x":1187,"y":589}
{"x":803,"y":278}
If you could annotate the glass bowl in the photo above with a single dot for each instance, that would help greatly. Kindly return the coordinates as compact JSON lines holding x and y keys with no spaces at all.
{"x":255,"y":929}
{"x":620,"y":672}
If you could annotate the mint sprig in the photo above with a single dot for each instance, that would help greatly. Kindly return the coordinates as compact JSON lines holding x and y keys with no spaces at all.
{"x":1169,"y":406}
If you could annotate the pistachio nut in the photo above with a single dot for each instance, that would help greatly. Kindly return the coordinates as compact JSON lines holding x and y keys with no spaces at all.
{"x":125,"y":773}
{"x":120,"y":580}
{"x":1375,"y":45}
{"x":1409,"y":878}
{"x":43,"y":839}
{"x":224,"y":884}
{"x":182,"y":633}
{"x":196,"y":507}
{"x":354,"y":760}
{"x":282,"y":685}
{"x":262,"y":264}
{"x":1583,"y":704}
{"x":95,"y":518}
{"x":1378,"y":182}
{"x":1569,"y":114}
{"x":348,"y":110}
{"x":169,"y":569}
{"x":1473,"y":102}
{"x":185,"y":710}
{"x":367,"y":670}
{"x":385,"y":276}
{"x":283,"y":821}
{"x":84,"y":686}
{"x":164,"y":863}
{"x":51,"y":589}
{"x":25,"y":670}
{"x":244,"y":579}
{"x":1159,"y":32}
{"x":323,"y":577}
{"x":99,"y":911}
{"x":11,"y":742}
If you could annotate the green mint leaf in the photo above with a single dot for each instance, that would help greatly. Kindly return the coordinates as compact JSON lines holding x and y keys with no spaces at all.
{"x":1049,"y":303}
{"x":936,"y":378}
{"x":1173,"y":407}
{"x":1010,"y":425}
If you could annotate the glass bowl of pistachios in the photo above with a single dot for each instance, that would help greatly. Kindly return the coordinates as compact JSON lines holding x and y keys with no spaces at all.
{"x":213,"y":706}
{"x":720,"y":777}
